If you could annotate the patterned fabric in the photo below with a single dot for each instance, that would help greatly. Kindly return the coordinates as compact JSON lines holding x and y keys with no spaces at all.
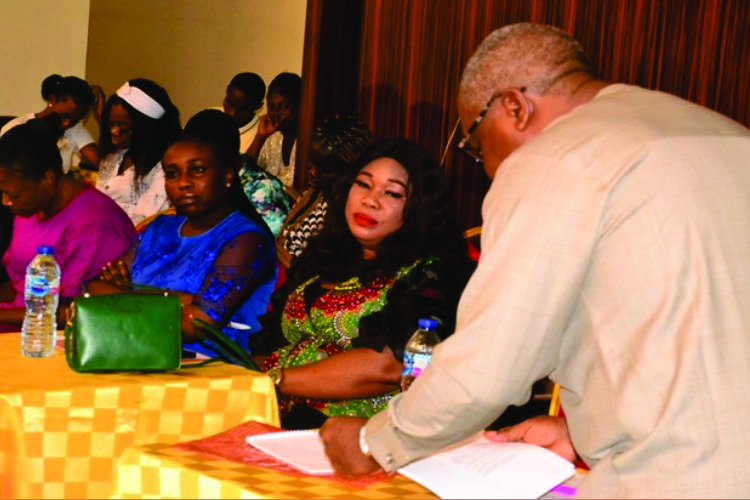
{"x":162,"y":470}
{"x":328,"y":328}
{"x":62,"y":432}
{"x":89,"y":232}
{"x":271,"y":160}
{"x":305,"y":221}
{"x":231,"y":269}
{"x":267,"y":194}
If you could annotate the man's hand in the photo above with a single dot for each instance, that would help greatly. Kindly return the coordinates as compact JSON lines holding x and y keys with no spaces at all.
{"x":341,"y":439}
{"x":548,"y":432}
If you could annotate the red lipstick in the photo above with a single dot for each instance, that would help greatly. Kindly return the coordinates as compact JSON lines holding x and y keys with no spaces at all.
{"x":364,"y":220}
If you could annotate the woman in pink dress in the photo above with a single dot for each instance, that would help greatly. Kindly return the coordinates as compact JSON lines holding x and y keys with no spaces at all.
{"x":85,"y":227}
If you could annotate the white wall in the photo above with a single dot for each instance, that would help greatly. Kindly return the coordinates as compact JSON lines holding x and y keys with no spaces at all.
{"x":38,"y":38}
{"x":193,"y":47}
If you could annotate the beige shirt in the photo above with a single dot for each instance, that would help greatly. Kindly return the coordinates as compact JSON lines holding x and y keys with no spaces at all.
{"x":616,"y":260}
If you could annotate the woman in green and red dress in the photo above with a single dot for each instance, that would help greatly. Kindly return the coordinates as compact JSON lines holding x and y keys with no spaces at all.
{"x":389,"y":254}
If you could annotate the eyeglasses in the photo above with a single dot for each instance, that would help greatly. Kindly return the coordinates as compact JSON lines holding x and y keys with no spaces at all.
{"x":464,"y":145}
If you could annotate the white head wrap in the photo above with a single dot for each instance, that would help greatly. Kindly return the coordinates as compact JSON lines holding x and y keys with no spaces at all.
{"x":141,"y":101}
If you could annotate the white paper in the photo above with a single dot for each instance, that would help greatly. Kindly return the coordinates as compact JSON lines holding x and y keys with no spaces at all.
{"x":478,"y":469}
{"x":483,"y":469}
{"x":302,"y":450}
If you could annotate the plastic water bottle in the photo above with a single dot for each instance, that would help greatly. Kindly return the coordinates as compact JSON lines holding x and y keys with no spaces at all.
{"x":42,"y":293}
{"x":418,"y":351}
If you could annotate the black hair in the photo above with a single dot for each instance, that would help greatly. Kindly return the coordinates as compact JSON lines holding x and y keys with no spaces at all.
{"x":429,"y":227}
{"x":79,"y":90}
{"x":217,"y":131}
{"x":219,"y":126}
{"x":334,"y":145}
{"x":287,"y":84}
{"x":31,"y":148}
{"x":57,"y":87}
{"x":250,"y":84}
{"x":50,"y":86}
{"x":150,"y":137}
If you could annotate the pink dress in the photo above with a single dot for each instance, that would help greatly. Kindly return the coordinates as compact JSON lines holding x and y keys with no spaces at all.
{"x":89,"y":232}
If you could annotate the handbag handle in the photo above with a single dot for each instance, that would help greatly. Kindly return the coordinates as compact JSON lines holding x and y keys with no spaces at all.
{"x":224,"y":346}
{"x":69,"y":344}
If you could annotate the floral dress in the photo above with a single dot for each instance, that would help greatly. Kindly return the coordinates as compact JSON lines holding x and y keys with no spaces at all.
{"x":267,"y":194}
{"x":382,"y":312}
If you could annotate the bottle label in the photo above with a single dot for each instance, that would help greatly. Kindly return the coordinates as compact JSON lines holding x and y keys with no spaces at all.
{"x":38,"y":286}
{"x":415,"y":363}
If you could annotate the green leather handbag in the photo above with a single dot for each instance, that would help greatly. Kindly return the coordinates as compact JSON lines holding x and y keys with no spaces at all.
{"x":124,"y":332}
{"x":138,"y":332}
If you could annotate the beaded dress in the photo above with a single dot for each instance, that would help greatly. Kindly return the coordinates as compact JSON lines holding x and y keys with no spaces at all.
{"x":320,"y":322}
{"x":271,"y":159}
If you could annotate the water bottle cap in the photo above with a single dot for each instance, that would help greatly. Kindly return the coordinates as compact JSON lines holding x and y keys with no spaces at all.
{"x":428,"y":324}
{"x":45,"y":250}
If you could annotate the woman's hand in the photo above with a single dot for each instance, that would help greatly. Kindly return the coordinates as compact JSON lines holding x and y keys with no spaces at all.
{"x":266,"y":126}
{"x":116,"y":273}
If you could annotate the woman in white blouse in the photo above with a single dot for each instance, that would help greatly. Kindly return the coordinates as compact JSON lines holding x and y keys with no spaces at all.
{"x":70,"y":98}
{"x":139,"y":123}
{"x":275,"y":143}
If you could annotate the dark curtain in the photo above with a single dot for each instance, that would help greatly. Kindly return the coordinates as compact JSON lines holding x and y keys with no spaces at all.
{"x":405,"y":58}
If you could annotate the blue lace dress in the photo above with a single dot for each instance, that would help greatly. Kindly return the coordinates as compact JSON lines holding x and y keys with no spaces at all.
{"x":230,"y":269}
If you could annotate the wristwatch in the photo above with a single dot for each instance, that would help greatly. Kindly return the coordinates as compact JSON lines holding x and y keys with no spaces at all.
{"x":276,"y":374}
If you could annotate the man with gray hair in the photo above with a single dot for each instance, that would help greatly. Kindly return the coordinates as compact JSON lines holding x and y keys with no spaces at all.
{"x":615,"y":260}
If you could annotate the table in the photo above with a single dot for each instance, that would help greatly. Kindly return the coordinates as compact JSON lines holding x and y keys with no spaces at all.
{"x":222,"y":466}
{"x":61,"y":432}
{"x":165,"y":471}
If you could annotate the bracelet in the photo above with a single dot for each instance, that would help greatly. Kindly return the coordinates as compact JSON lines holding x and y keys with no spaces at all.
{"x":364,"y":448}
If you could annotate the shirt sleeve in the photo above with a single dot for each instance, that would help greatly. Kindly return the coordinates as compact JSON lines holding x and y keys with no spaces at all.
{"x":91,"y":240}
{"x":79,"y":136}
{"x":242,"y":265}
{"x":539,"y":231}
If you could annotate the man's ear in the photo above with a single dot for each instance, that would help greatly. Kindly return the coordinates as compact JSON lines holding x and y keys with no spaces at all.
{"x":518,"y":107}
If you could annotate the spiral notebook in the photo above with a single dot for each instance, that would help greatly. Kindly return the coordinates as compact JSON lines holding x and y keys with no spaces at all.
{"x":302,"y":450}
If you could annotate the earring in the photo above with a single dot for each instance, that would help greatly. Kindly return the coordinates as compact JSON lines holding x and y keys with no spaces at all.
{"x":229,"y":184}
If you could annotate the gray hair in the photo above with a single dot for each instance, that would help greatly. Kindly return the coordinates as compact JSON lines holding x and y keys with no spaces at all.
{"x":529,"y":55}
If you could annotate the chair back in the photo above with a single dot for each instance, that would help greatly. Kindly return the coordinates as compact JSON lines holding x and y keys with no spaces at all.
{"x":472,"y":237}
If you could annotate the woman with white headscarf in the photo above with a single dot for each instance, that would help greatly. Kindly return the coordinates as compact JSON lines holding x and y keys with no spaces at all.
{"x":139,"y":122}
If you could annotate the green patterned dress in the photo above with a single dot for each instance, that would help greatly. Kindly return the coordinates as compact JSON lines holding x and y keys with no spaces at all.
{"x":334,"y":323}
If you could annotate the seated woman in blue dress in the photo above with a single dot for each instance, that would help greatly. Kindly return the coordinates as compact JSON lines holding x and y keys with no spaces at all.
{"x":217,"y":252}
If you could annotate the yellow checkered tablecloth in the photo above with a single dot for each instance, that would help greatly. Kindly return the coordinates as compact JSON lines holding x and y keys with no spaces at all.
{"x":166,"y":471}
{"x":61,"y":432}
